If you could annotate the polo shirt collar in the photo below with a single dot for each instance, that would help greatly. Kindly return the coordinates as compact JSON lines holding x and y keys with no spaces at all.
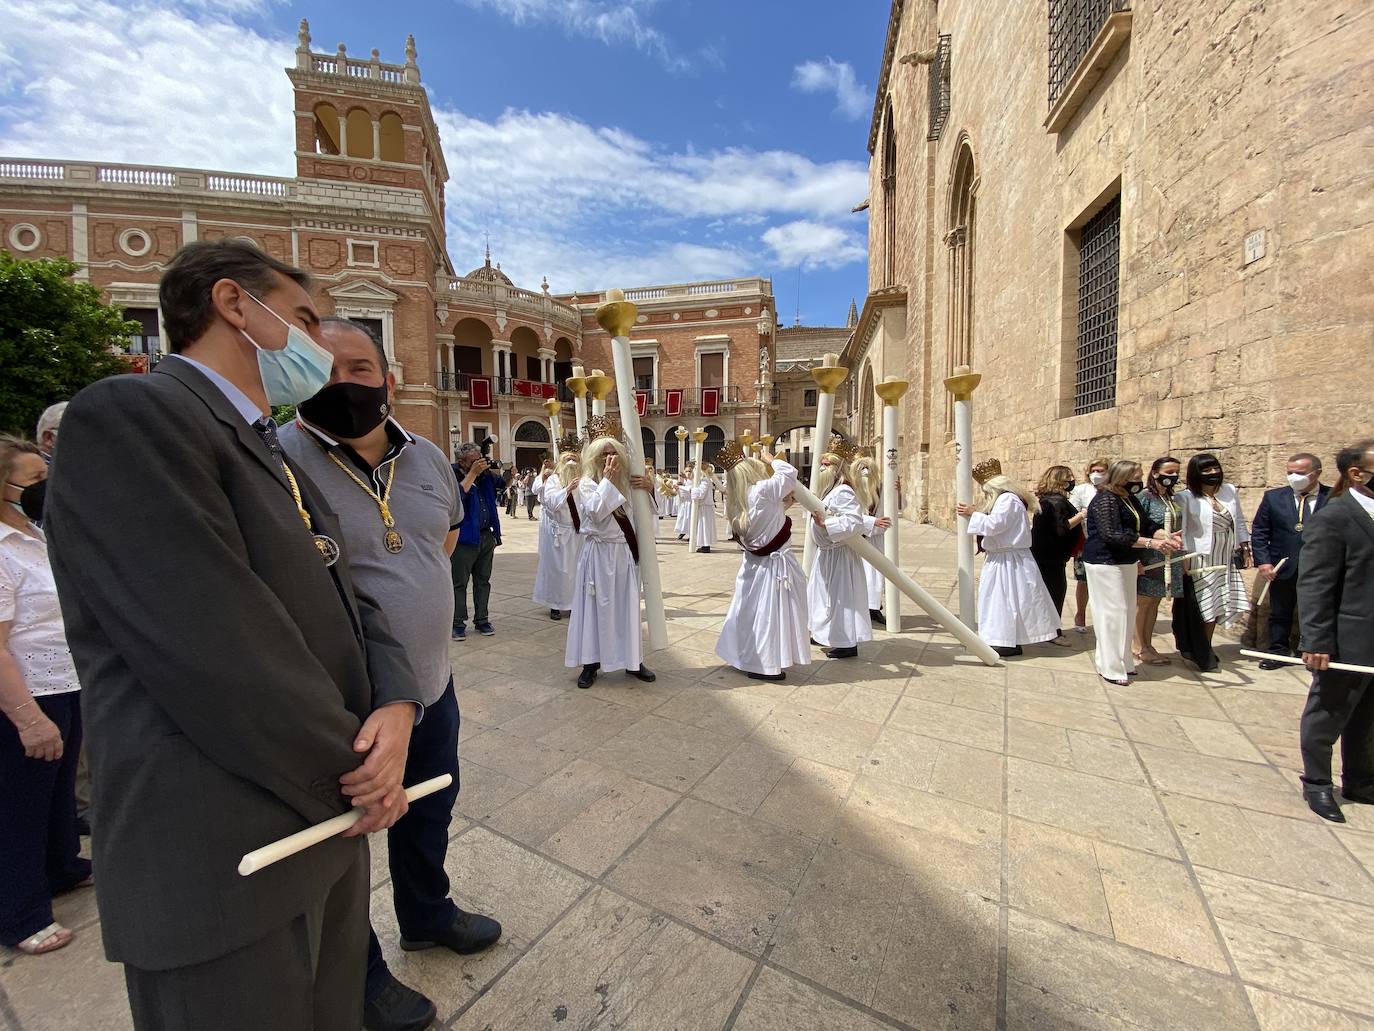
{"x":398,"y":438}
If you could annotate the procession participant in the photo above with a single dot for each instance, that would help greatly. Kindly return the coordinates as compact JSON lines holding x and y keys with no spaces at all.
{"x":765,"y":629}
{"x":1014,"y":608}
{"x":1336,"y":610}
{"x":604,"y":628}
{"x":837,"y":593}
{"x":1213,"y":590}
{"x":683,"y":527}
{"x":399,"y":508}
{"x":1276,"y":536}
{"x":1094,"y":479}
{"x":656,"y":500}
{"x":868,"y":488}
{"x":704,"y":494}
{"x":1157,"y":501}
{"x":555,"y":577}
{"x":232,"y":677}
{"x":1055,"y":533}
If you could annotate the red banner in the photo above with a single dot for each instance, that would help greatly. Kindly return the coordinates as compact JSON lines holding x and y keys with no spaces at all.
{"x":479,"y":391}
{"x":672,"y":403}
{"x":533,"y":388}
{"x":550,"y":390}
{"x":641,"y":402}
{"x":710,"y":401}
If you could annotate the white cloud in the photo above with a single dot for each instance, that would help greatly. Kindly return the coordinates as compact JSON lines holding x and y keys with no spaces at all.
{"x":830,"y":76}
{"x":814,"y":244}
{"x":182,"y":84}
{"x":623,"y":22}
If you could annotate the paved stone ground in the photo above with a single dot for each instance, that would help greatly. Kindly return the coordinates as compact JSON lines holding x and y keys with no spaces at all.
{"x":906,"y":840}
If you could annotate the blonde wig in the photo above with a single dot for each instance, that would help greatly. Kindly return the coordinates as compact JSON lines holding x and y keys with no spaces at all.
{"x":832,"y":475}
{"x":738,"y":480}
{"x":593,"y":458}
{"x":1000,"y":485}
{"x":868,"y":483}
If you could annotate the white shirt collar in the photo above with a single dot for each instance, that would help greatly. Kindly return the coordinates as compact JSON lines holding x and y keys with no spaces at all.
{"x":1365,"y":503}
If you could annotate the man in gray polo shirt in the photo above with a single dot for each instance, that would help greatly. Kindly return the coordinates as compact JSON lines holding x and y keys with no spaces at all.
{"x":399,"y":507}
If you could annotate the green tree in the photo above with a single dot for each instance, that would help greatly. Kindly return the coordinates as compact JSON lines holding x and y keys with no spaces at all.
{"x":56,"y":336}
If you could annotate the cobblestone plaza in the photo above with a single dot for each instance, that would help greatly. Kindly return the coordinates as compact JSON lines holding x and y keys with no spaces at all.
{"x":908,"y":840}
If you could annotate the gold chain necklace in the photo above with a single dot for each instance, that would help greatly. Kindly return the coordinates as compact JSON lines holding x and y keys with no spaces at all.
{"x":326,"y":546}
{"x":391,"y":539}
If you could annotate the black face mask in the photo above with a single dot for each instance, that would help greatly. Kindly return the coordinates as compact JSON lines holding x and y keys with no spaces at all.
{"x":31,"y":499}
{"x":1135,"y":488}
{"x":347,"y":410}
{"x":1167,"y":481}
{"x":1212,"y":479}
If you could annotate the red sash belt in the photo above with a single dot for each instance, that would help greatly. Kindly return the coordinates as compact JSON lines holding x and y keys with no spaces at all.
{"x":777,"y":543}
{"x":627,"y":527}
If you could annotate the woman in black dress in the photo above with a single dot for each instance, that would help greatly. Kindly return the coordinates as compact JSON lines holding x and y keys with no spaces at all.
{"x":1054,"y":531}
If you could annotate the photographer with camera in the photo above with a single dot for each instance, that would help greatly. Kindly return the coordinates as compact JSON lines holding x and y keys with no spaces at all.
{"x":479,"y":534}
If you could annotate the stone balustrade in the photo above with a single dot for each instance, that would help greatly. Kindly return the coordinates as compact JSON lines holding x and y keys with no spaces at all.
{"x":458,"y":290}
{"x":682,"y":291}
{"x":142,"y":177}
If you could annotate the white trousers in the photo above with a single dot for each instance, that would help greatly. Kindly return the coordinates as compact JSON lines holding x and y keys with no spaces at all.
{"x":1112,"y":590}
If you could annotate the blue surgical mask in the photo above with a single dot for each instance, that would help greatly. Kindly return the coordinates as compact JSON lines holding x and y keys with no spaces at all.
{"x":297,"y":371}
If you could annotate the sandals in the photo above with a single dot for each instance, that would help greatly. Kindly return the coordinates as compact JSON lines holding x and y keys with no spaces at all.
{"x":1158,"y":660}
{"x":34,"y":944}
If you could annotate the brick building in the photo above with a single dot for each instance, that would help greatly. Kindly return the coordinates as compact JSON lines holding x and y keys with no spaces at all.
{"x":800,"y":349}
{"x":473,"y":354}
{"x":1150,"y":229}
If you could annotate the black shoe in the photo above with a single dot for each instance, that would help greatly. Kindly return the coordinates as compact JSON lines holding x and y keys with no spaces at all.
{"x":83,"y":826}
{"x":398,"y":1008}
{"x":1271,"y":664}
{"x":876,"y":617}
{"x":1322,"y":801}
{"x":1363,"y":795}
{"x":766,"y":676}
{"x":703,"y":551}
{"x":644,"y":673}
{"x":469,"y":933}
{"x":588,"y":677}
{"x":555,"y":614}
{"x":842,"y":653}
{"x":1007,"y":652}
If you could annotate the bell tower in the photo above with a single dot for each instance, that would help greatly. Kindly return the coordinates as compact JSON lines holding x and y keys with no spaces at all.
{"x":366,"y":123}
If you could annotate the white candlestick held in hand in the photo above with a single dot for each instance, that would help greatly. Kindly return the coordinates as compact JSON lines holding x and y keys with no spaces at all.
{"x":302,"y":840}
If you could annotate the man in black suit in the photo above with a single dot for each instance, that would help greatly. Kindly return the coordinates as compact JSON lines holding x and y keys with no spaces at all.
{"x":1276,"y":538}
{"x":1336,"y":609}
{"x":236,"y":687}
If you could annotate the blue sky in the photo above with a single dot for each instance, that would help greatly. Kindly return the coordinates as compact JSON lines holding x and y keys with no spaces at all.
{"x":599,"y":142}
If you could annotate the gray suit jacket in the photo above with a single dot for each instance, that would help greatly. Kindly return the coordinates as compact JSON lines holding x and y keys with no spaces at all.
{"x":1336,"y":582}
{"x":224,"y":668}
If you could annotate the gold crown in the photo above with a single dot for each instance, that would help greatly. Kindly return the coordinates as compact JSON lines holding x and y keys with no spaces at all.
{"x":730,"y":455}
{"x":599,"y":426}
{"x":986,"y":470}
{"x":842,"y":446}
{"x":569,"y":443}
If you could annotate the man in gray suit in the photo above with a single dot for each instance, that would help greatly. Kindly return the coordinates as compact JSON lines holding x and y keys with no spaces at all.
{"x":237,"y":687}
{"x":1336,"y":611}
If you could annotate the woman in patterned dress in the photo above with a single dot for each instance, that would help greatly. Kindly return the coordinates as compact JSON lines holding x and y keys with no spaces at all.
{"x":1214,"y":529}
{"x":1157,"y":499}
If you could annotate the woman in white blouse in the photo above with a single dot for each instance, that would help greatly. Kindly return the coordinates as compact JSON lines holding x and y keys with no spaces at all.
{"x":1215,"y":532}
{"x":40,"y":737}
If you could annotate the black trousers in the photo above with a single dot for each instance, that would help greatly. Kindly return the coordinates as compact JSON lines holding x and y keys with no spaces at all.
{"x":472,"y":562}
{"x":306,"y":976}
{"x":418,"y":842}
{"x":1283,"y":602}
{"x":1055,"y":575}
{"x":39,"y":846}
{"x":1339,"y":705}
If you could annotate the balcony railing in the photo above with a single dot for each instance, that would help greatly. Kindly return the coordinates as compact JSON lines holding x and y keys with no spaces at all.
{"x":536,"y":391}
{"x":83,"y":174}
{"x":708,"y":288}
{"x":458,"y":290}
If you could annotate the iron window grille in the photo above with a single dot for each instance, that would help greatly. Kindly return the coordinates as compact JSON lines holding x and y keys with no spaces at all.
{"x":1074,"y":25}
{"x":1098,"y":299}
{"x":939,"y":88}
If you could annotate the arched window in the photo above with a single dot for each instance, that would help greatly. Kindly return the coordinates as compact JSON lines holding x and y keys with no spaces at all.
{"x":961,"y":240}
{"x":710,"y":447}
{"x":889,"y":197}
{"x":359,"y":133}
{"x":392,"y":138}
{"x":326,"y":129}
{"x":646,"y":437}
{"x":866,"y":396}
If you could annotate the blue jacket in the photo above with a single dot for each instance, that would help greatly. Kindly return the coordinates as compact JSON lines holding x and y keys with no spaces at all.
{"x":1274,"y":534}
{"x":483,"y":493}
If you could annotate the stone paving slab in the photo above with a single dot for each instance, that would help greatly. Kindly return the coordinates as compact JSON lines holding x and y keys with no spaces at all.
{"x":907,"y":840}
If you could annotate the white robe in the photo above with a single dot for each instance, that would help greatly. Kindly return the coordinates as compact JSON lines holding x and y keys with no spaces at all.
{"x":683,"y":526}
{"x":837,"y":593}
{"x":555,"y":577}
{"x":605,"y":622}
{"x":704,"y":495}
{"x":1014,"y":607}
{"x":766,"y":628}
{"x":877,"y":583}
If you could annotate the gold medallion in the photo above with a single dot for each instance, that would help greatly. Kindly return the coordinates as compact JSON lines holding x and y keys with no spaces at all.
{"x":328,"y":549}
{"x":393,"y":541}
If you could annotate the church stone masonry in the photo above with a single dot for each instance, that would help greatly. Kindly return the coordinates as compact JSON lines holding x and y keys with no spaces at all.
{"x":1149,"y":226}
